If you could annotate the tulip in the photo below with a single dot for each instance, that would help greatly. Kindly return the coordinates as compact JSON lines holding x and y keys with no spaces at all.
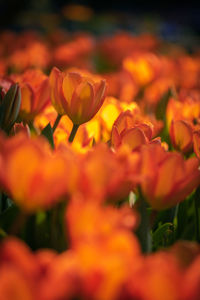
{"x":19,"y":270}
{"x":43,"y":174}
{"x":109,"y":175}
{"x":9,"y":107}
{"x":167,"y":178}
{"x":127,"y":131}
{"x":181,"y":135}
{"x":34,"y":93}
{"x":196,"y":143}
{"x":156,"y":275}
{"x":76,"y":95}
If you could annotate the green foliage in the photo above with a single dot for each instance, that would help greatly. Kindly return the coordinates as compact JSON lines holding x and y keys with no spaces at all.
{"x":47,"y":132}
{"x":163,"y":236}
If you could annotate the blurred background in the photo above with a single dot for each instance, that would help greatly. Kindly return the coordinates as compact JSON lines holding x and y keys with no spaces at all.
{"x":169,"y":19}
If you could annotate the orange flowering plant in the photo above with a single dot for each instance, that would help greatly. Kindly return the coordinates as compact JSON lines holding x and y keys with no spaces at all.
{"x":75,"y":95}
{"x":110,"y":211}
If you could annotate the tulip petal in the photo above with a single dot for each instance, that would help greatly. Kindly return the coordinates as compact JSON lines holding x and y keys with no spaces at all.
{"x":133,"y":137}
{"x":115,"y":137}
{"x":27,"y":96}
{"x":55,"y":81}
{"x":196,"y":143}
{"x":70,"y":83}
{"x":172,"y":167}
{"x":124,"y":121}
{"x":82,"y":101}
{"x":146,"y":129}
{"x":100,"y":90}
{"x":42,"y":96}
{"x":181,"y":135}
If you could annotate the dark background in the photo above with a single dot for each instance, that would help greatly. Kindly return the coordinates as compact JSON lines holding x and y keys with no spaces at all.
{"x":183,"y":13}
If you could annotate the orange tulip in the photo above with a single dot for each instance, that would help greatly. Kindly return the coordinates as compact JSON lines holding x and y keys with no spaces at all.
{"x":18,"y":270}
{"x":34,"y":93}
{"x":190,"y":287}
{"x":130,"y":132}
{"x":156,"y":277}
{"x":13,"y":285}
{"x":144,"y":67}
{"x":181,"y":135}
{"x":167,"y":177}
{"x":196,"y":143}
{"x":45,"y":176}
{"x":105,"y":247}
{"x":108,"y":175}
{"x":75,"y":95}
{"x":185,"y":108}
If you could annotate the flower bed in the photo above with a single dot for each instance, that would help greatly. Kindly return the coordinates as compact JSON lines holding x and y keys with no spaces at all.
{"x":99,"y":168}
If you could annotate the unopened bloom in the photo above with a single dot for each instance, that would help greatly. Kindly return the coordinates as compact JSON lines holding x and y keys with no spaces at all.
{"x":9,"y":106}
{"x":77,"y":96}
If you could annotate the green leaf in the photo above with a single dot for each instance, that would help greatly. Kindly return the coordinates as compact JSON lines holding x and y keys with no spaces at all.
{"x":48,"y":133}
{"x":3,"y":234}
{"x":164,"y":216}
{"x":143,"y":231}
{"x":162,"y":105}
{"x":163,"y":236}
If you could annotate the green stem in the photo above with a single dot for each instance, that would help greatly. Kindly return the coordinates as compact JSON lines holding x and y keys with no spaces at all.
{"x":73,"y":133}
{"x":56,"y":122}
{"x":57,"y":230}
{"x":143,"y":231}
{"x":3,"y":234}
{"x":31,"y":126}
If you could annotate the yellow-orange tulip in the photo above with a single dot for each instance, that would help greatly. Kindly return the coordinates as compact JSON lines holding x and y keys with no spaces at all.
{"x":34,"y":93}
{"x":130,"y":132}
{"x":43,"y":173}
{"x":196,"y":143}
{"x":77,"y":96}
{"x":167,"y":177}
{"x":181,"y":135}
{"x":156,"y":275}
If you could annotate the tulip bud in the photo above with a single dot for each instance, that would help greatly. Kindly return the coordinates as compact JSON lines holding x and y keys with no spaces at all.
{"x":77,"y":96}
{"x":9,"y":107}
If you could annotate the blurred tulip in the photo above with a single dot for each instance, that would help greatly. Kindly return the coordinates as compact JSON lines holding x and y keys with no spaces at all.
{"x":109,"y":176}
{"x":75,"y":52}
{"x":19,"y":271}
{"x":181,"y":136}
{"x":196,"y":143}
{"x":185,"y":108}
{"x":13,"y":285}
{"x":34,"y":93}
{"x":167,"y":178}
{"x":144,"y":67}
{"x":40,"y":169}
{"x":157,"y":274}
{"x":104,"y":246}
{"x":128,"y":131}
{"x":190,"y":287}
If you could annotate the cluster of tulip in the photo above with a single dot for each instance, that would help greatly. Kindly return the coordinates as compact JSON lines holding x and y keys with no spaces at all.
{"x":99,"y":168}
